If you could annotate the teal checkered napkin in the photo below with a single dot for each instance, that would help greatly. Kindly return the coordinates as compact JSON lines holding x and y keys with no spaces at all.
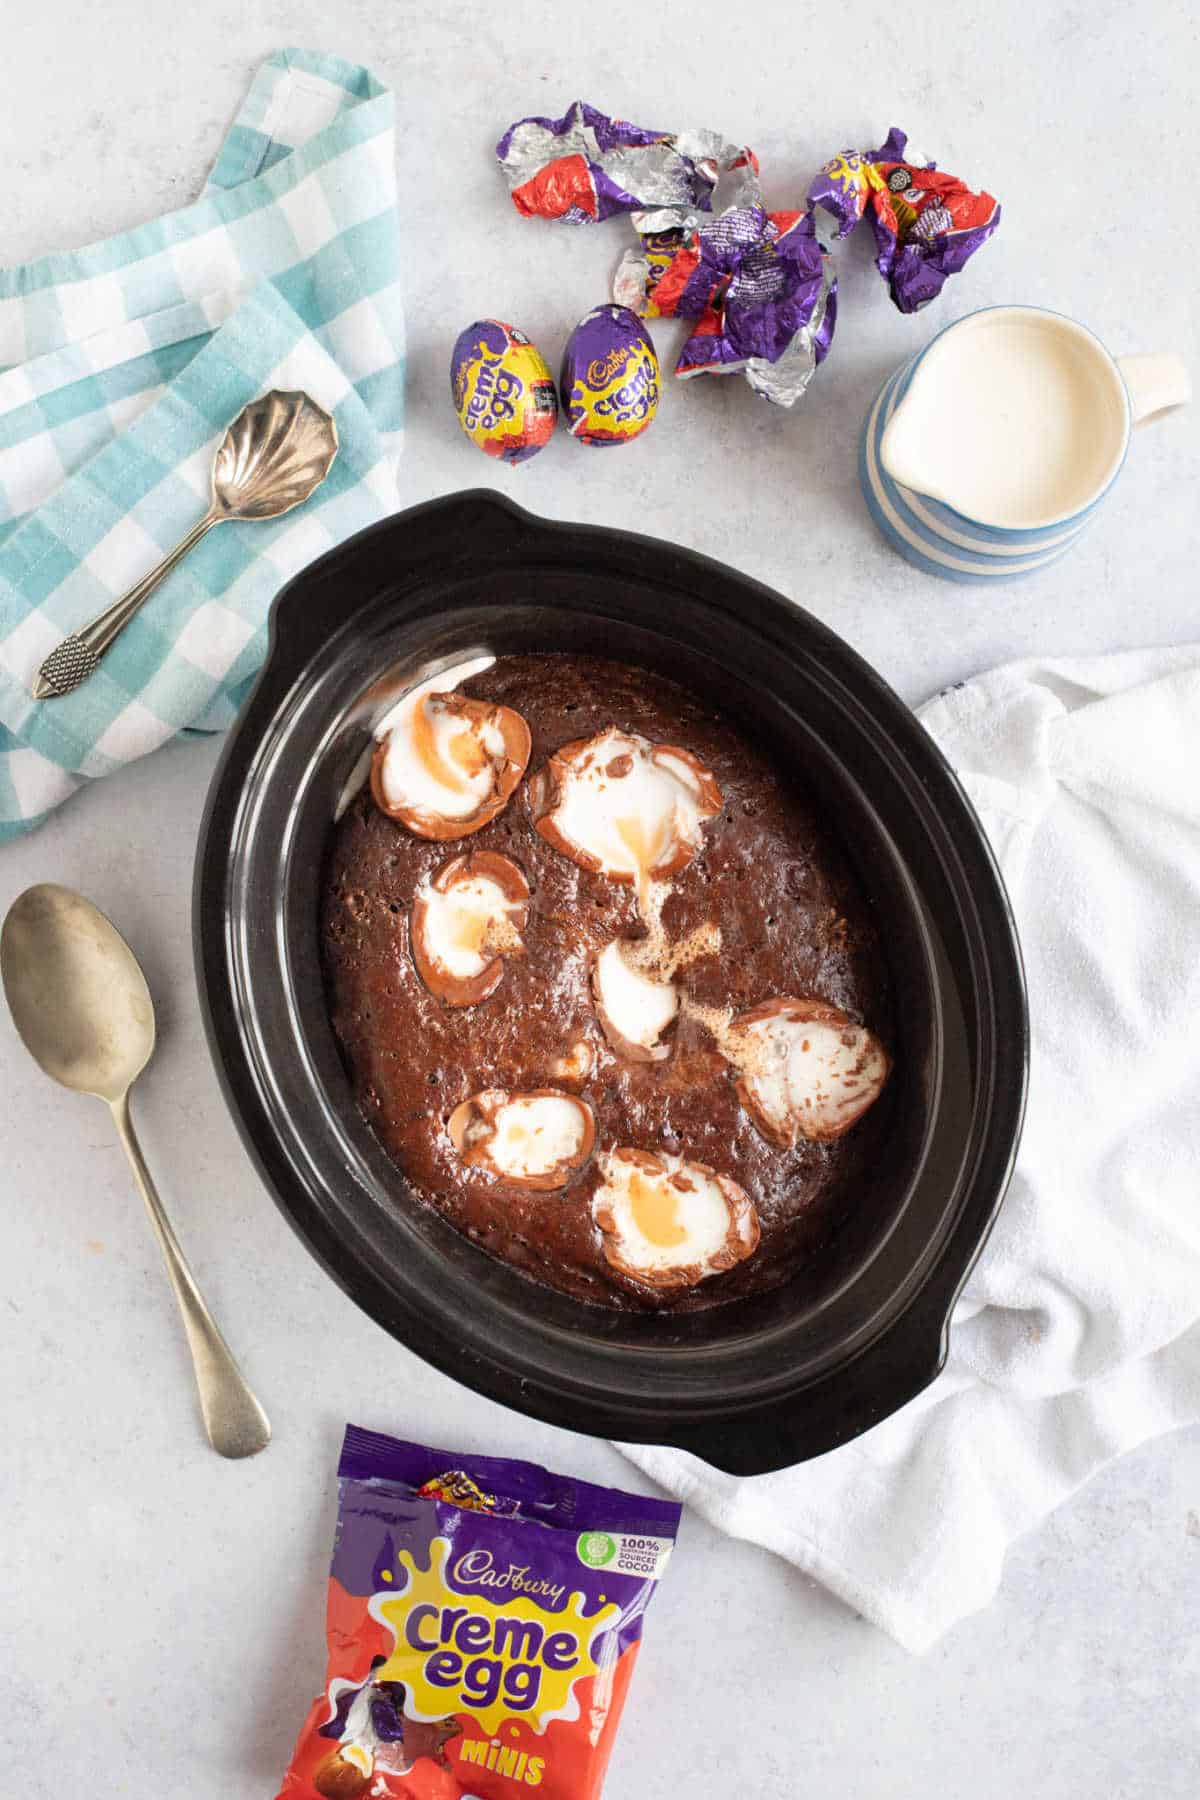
{"x":121,"y":366}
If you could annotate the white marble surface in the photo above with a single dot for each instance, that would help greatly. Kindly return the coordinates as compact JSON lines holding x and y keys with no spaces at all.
{"x":160,"y":1611}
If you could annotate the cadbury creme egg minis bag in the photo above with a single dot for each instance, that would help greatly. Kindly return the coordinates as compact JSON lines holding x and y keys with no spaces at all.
{"x":482,"y":1624}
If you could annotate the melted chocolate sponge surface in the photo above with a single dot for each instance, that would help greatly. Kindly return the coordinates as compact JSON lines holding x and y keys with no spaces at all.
{"x":768,"y":874}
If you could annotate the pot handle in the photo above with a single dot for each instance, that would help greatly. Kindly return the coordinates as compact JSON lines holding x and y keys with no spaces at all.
{"x":1157,"y":384}
{"x":323,"y":597}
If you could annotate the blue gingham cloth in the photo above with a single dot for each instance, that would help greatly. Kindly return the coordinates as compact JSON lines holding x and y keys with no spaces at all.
{"x":121,"y":366}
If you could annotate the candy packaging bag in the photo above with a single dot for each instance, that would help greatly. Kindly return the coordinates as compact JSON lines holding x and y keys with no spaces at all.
{"x":482,"y":1624}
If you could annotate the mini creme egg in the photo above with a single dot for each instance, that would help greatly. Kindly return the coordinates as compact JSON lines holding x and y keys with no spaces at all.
{"x":668,"y":1222}
{"x":807,"y":1070}
{"x":345,"y":1773}
{"x":503,"y":391}
{"x":634,"y":1008}
{"x":447,"y":765}
{"x":465,"y":921}
{"x":610,"y":377}
{"x":534,"y":1140}
{"x":621,"y":806}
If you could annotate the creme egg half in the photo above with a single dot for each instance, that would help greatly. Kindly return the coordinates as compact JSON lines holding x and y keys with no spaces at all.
{"x":807,"y":1070}
{"x":445,"y":764}
{"x":623,"y":807}
{"x":635,"y":1008}
{"x":465,"y":921}
{"x":534,"y":1140}
{"x":669,"y":1222}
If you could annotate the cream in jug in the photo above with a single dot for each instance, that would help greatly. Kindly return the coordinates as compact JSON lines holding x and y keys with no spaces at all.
{"x":984,"y":455}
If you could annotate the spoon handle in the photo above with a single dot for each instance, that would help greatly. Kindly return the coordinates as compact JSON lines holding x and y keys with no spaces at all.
{"x":78,"y":656}
{"x":235,"y":1422}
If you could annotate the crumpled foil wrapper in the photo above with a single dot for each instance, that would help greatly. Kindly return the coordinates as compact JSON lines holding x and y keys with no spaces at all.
{"x":760,"y":286}
{"x":586,"y":166}
{"x":926,"y":223}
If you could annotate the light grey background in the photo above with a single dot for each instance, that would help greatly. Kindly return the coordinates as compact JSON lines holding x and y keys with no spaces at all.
{"x":160,"y":1611}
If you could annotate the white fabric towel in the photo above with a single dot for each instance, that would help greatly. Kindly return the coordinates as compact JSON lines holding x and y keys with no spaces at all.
{"x":1078,"y":1335}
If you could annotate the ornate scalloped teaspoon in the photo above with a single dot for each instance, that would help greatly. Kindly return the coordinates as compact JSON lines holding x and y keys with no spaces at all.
{"x":276,"y":454}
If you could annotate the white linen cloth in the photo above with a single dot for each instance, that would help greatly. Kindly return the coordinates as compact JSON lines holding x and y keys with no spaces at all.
{"x":1078,"y":1335}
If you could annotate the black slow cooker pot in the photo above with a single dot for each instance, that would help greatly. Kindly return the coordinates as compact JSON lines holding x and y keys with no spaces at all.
{"x":750,"y":1386}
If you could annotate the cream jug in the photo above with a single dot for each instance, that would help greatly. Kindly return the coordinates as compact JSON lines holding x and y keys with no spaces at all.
{"x":984,"y":457}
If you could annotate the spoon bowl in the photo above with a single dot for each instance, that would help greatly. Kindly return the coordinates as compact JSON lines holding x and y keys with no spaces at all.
{"x":276,"y":453}
{"x":83,"y":1010}
{"x":77,"y":995}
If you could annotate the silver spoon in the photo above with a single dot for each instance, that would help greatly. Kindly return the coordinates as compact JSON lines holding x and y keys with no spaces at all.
{"x":276,"y":453}
{"x":82,"y":1007}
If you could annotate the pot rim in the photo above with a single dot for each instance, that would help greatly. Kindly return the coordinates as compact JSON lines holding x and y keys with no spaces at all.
{"x":778,"y":1418}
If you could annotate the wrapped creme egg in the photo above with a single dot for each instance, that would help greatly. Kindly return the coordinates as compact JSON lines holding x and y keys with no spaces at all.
{"x":503,"y":391}
{"x":609,"y":377}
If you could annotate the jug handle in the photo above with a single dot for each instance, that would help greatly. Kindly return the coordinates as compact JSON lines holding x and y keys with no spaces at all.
{"x":1155,"y":383}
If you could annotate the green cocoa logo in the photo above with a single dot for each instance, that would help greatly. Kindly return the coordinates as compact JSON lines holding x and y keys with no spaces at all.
{"x":596,"y":1548}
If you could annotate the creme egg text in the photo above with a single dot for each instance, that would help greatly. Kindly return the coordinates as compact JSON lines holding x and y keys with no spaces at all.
{"x":488,"y":1659}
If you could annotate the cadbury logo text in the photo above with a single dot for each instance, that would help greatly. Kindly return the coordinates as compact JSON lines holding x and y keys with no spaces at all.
{"x":478,"y":1568}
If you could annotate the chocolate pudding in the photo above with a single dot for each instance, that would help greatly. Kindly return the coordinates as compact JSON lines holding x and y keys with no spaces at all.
{"x":502,"y":975}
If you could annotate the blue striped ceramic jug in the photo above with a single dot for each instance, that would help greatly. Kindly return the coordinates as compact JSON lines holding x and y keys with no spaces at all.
{"x":984,"y":457}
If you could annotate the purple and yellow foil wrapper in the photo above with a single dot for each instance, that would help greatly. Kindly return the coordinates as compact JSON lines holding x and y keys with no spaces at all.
{"x":503,"y":391}
{"x":610,"y":377}
{"x":926,"y":223}
{"x":761,"y":289}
